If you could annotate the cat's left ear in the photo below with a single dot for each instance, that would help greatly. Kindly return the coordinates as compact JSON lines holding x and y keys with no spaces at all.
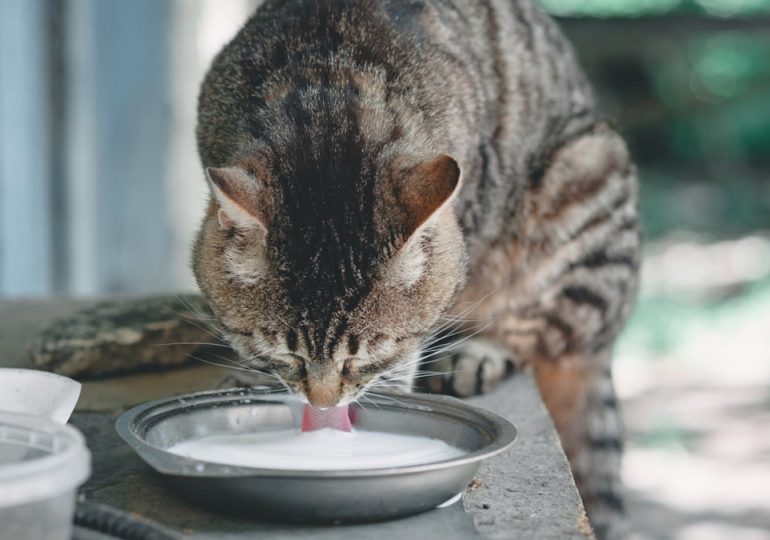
{"x":240,"y":197}
{"x":424,"y":189}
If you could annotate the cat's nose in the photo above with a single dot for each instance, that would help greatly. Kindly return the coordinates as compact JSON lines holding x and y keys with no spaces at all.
{"x":323,"y":385}
{"x":322,"y":395}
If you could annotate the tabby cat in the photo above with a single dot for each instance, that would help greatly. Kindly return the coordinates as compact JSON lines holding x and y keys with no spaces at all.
{"x":380,"y":169}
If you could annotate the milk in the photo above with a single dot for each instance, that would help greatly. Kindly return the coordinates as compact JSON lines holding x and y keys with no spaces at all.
{"x":320,"y":450}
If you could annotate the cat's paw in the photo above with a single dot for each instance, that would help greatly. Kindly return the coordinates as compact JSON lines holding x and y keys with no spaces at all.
{"x":475,"y":366}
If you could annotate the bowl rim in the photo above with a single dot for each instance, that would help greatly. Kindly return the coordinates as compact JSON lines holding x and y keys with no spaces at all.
{"x":135,"y":422}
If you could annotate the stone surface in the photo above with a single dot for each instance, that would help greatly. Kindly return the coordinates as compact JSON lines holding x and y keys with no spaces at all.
{"x":527,"y":492}
{"x":20,"y":320}
{"x":118,"y":336}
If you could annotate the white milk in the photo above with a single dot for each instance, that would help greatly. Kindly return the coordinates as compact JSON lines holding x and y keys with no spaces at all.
{"x":324,"y":449}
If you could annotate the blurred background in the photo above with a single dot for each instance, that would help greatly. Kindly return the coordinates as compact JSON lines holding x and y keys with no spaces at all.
{"x":101,"y":192}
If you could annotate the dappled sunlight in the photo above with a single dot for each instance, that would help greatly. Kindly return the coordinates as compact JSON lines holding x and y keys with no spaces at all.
{"x":678,"y":267}
{"x":694,"y":377}
{"x":718,"y":531}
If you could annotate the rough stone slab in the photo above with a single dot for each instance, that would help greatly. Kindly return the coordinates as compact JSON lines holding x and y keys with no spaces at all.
{"x":20,"y":320}
{"x":118,"y":336}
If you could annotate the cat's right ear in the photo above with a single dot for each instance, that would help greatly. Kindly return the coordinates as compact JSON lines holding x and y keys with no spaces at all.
{"x":238,"y":196}
{"x":422,"y":189}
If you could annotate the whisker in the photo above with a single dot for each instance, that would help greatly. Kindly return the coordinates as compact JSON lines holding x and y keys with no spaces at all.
{"x":387,"y":397}
{"x":474,"y":304}
{"x":368,"y":400}
{"x":203,"y":343}
{"x":454,"y":344}
{"x":195,"y":310}
{"x":230,"y":363}
{"x":226,"y":366}
{"x":284,"y":383}
{"x":200,"y":323}
{"x":282,"y":320}
{"x":424,"y":375}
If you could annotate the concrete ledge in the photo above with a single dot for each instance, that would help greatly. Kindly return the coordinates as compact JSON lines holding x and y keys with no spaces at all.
{"x":528,"y":491}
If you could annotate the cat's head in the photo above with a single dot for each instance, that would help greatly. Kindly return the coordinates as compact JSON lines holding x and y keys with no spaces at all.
{"x":331,"y":270}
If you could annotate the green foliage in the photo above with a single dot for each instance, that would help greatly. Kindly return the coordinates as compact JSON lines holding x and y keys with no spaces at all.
{"x":714,"y":206}
{"x":661,"y":324}
{"x":729,"y":8}
{"x":716,"y":97}
{"x":608,"y":8}
{"x":639,"y":8}
{"x":697,"y":99}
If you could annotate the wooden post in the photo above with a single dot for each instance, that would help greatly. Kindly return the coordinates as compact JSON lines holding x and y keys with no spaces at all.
{"x":117,"y":145}
{"x":26,"y":264}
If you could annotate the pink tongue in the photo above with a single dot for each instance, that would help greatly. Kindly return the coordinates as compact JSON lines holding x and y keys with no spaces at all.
{"x":314,"y":418}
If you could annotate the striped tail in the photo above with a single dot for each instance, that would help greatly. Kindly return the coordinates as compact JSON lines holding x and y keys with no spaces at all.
{"x":596,"y":459}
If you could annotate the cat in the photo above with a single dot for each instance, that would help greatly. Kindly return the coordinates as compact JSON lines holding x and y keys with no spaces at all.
{"x":380,"y":169}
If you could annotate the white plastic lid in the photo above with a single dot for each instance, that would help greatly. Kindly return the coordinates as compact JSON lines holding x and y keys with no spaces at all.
{"x":39,"y":393}
{"x":39,"y":459}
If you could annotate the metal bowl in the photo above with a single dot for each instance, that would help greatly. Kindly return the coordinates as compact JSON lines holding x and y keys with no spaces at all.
{"x":312,"y":495}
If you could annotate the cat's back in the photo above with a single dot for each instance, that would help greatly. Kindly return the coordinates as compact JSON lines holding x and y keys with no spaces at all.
{"x":366,"y":46}
{"x":491,"y":67}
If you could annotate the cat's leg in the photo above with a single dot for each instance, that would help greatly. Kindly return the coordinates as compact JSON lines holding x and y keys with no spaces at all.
{"x":562,"y":287}
{"x":584,"y":246}
{"x":580,"y":396}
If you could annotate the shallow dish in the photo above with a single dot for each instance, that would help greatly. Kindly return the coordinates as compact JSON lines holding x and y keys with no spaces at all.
{"x":311,"y":495}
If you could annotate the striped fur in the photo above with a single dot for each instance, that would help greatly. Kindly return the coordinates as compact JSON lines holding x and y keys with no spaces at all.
{"x":563,"y":283}
{"x":384,"y":171}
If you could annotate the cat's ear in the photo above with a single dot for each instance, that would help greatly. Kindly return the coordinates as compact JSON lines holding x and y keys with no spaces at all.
{"x":238,"y":196}
{"x":423,"y":189}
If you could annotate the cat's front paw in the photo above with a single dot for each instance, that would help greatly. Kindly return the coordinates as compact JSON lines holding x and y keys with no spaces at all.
{"x":472,"y":367}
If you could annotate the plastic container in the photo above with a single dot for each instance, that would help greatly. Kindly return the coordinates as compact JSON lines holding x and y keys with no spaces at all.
{"x":42,"y":463}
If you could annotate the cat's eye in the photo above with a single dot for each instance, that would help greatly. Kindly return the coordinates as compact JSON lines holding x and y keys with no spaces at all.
{"x":297,"y":362}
